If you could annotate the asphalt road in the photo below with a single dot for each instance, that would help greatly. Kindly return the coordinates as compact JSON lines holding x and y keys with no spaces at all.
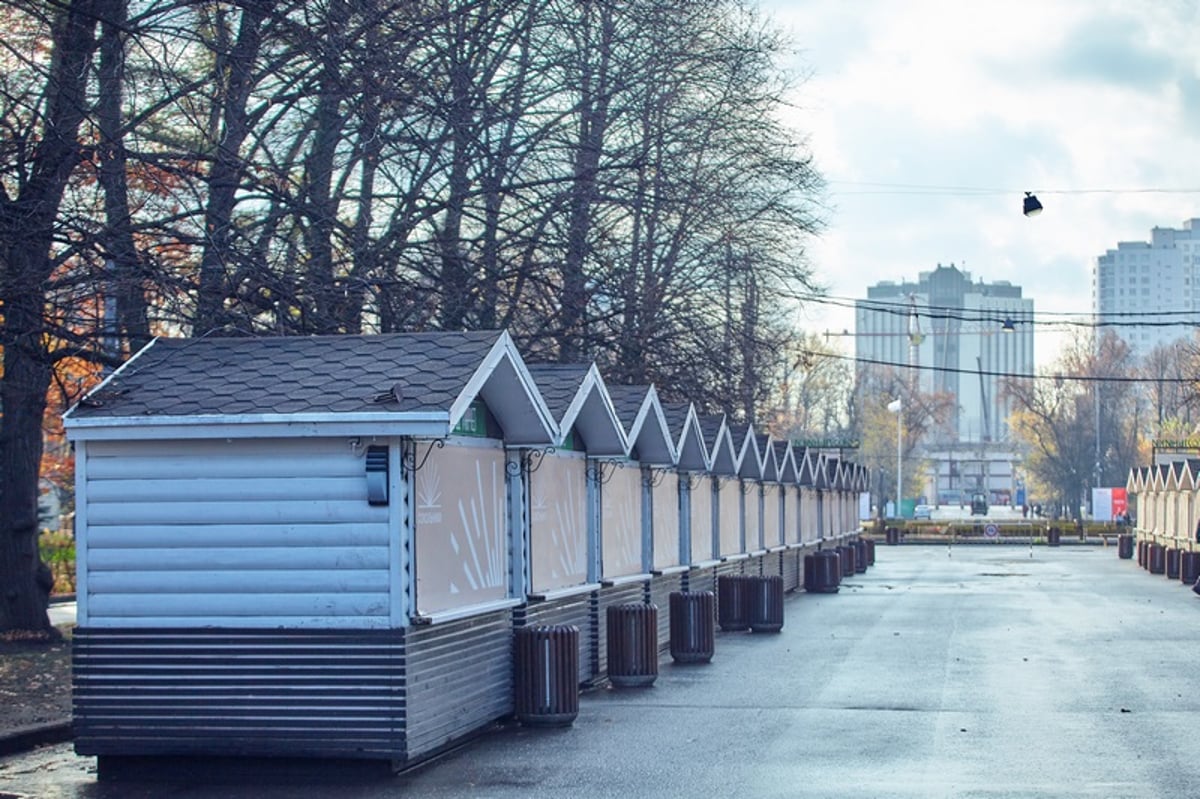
{"x":977,"y":671}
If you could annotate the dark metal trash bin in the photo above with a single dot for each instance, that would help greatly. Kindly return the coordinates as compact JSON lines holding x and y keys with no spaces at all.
{"x":893,"y":536}
{"x":1124,"y":546}
{"x":1172,"y":564}
{"x":860,"y":556}
{"x":849,"y":558}
{"x":632,"y":644}
{"x":693,"y":626}
{"x":1053,"y":537}
{"x":1189,"y":567}
{"x":1158,"y":559}
{"x":822,"y":572}
{"x":732,"y":613}
{"x":870,"y":552}
{"x":765,"y":596}
{"x":546,"y":675}
{"x":1141,"y":553}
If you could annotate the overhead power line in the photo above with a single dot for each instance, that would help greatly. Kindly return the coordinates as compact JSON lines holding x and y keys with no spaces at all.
{"x":1018,"y":317}
{"x":991,"y":373}
{"x":876,"y":187}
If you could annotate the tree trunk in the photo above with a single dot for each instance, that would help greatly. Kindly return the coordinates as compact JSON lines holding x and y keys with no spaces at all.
{"x":126,"y":273}
{"x":26,"y":580}
{"x":226,"y":172}
{"x":26,"y":235}
{"x":320,"y":205}
{"x":593,"y":125}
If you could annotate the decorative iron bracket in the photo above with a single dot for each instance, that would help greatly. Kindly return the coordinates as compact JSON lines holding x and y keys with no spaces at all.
{"x":409,"y":458}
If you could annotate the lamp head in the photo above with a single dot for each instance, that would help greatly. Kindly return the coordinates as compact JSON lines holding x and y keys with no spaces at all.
{"x":1032,"y":206}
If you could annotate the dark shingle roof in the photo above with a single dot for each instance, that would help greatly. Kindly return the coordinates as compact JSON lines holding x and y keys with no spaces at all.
{"x":313,"y":374}
{"x":627,"y":401}
{"x":676,"y":415}
{"x":710,"y":427}
{"x":558,"y":383}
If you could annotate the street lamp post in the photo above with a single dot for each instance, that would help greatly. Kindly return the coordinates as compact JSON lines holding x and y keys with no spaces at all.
{"x":894,"y":406}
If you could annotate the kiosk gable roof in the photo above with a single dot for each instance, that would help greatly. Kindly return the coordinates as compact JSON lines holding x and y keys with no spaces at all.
{"x":684,"y":426}
{"x":578,"y":398}
{"x":785,"y":461}
{"x":645,"y":425}
{"x":315,"y":378}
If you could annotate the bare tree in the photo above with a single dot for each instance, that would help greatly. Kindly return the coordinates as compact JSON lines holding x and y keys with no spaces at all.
{"x":1076,"y":421}
{"x":41,"y":152}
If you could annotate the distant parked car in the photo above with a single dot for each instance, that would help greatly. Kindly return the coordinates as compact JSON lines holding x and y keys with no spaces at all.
{"x":923,"y":512}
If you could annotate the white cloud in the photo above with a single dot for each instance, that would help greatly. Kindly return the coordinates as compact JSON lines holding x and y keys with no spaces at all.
{"x":1052,"y":96}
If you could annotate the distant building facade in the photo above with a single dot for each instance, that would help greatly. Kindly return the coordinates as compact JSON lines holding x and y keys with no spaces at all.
{"x":1141,"y":285}
{"x":958,"y":336}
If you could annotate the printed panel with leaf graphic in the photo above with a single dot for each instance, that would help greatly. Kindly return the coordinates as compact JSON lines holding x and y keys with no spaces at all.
{"x":558,"y":522}
{"x":621,"y":521}
{"x":462,"y":552}
{"x":666,"y":521}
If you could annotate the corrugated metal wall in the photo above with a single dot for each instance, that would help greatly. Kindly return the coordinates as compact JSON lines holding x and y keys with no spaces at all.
{"x":661,"y":588}
{"x":244,"y":692}
{"x":459,"y":679}
{"x":793,"y":568}
{"x":399,"y":694}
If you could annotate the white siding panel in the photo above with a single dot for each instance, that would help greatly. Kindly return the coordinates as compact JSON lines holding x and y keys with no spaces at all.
{"x":232,"y":535}
{"x":256,"y":489}
{"x":250,"y":558}
{"x":245,"y":532}
{"x":220,"y":453}
{"x":241,"y":581}
{"x":266,"y":512}
{"x":200,"y":606}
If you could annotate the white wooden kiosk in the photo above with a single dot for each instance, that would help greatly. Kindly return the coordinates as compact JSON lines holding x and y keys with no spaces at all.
{"x":750,"y":479}
{"x":810,"y":506}
{"x":672,"y":536}
{"x":792,"y":559}
{"x":772,"y":509}
{"x":706,"y":543}
{"x":695,"y":492}
{"x":634,"y":494}
{"x":300,"y":547}
{"x":564,"y":545}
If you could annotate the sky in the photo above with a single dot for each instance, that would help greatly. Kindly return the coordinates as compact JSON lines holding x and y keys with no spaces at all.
{"x":1093,"y":105}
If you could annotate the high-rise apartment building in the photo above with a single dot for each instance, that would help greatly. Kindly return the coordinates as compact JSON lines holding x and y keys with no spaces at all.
{"x":1148,"y":293}
{"x":963,"y":330}
{"x":955,"y":335}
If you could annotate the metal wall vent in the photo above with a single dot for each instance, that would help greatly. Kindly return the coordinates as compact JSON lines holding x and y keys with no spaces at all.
{"x":377,"y":475}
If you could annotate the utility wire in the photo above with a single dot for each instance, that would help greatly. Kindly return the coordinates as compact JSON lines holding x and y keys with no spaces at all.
{"x":1016,"y":317}
{"x":990,"y":373}
{"x":875,"y":187}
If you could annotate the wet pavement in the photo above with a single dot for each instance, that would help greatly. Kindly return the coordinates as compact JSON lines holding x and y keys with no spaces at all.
{"x":978,"y":671}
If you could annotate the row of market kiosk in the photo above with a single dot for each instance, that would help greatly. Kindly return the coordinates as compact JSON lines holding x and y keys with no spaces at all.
{"x":321,"y":547}
{"x":1167,"y":531}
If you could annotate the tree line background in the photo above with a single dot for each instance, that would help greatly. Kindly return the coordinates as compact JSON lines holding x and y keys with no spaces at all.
{"x":606,"y":179}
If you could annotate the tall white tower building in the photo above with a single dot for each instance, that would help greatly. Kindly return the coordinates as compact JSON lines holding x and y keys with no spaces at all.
{"x":1151,"y":290}
{"x":961,"y":337}
{"x":965,"y":330}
